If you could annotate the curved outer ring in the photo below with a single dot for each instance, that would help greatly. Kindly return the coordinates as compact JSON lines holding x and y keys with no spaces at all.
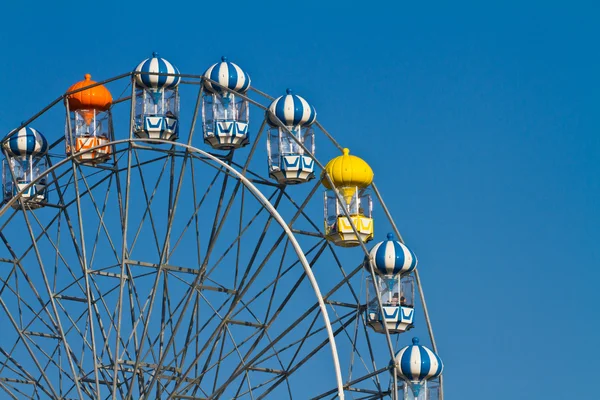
{"x":266,"y":204}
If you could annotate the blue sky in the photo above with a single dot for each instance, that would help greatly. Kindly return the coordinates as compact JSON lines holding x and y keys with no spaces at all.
{"x":480,"y":122}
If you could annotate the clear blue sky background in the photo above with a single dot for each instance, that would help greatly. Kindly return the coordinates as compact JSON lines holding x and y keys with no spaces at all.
{"x":480,"y":121}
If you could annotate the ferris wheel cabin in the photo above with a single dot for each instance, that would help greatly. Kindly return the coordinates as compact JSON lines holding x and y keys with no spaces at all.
{"x":225,"y":115}
{"x":348,"y":202}
{"x":393,"y":264}
{"x":156,"y":99}
{"x":290,"y":118}
{"x":89,"y":124}
{"x":25,"y":163}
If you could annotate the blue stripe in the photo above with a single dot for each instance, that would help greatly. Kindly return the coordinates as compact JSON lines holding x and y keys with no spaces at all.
{"x":425,"y":363}
{"x":438,"y":371}
{"x":233,"y":76}
{"x":380,"y":258}
{"x":414,"y":259}
{"x":30,"y":141}
{"x":405,"y":363}
{"x":44,"y":148}
{"x":14,"y":144}
{"x":162,"y":68}
{"x":214,"y":75}
{"x":145,"y":77}
{"x":280,"y":110}
{"x":175,"y":79}
{"x":313,"y":115}
{"x":398,"y":257}
{"x":246,"y":83}
{"x":207,"y":74}
{"x":298,"y":110}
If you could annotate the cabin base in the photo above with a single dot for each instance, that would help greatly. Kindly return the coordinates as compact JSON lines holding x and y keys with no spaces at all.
{"x":293,"y":170}
{"x":101,"y":153}
{"x":397,"y":318}
{"x":157,"y":127}
{"x":226,"y":135}
{"x":34,"y":197}
{"x":341,"y":233}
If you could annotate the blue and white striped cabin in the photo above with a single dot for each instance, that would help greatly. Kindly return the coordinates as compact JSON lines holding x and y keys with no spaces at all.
{"x":392,"y":264}
{"x":290,"y":119}
{"x":157,"y":99}
{"x":24,"y":168}
{"x":225,"y":113}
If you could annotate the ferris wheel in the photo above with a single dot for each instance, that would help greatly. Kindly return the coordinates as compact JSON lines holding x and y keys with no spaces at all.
{"x":153,"y":253}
